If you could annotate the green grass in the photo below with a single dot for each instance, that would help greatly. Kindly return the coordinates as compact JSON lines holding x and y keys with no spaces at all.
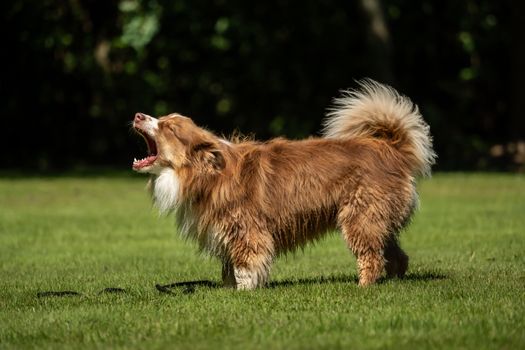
{"x":465,"y":287}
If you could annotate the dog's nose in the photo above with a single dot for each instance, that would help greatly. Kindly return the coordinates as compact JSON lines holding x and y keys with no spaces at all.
{"x":140,"y":117}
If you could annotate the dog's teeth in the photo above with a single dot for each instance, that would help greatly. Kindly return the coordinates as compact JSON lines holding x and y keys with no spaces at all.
{"x":134,"y":160}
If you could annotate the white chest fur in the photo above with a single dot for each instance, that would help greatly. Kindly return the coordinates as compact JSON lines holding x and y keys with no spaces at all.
{"x":166,"y":191}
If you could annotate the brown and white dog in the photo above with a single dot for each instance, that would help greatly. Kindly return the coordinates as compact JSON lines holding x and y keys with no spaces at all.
{"x":247,"y":202}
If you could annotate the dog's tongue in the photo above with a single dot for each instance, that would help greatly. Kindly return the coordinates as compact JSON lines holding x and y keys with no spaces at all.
{"x":141,"y":163}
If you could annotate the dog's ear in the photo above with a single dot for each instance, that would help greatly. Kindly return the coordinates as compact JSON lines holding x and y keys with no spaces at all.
{"x":210,"y":153}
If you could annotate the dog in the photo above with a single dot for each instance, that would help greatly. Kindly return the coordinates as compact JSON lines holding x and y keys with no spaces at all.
{"x":248,"y":202}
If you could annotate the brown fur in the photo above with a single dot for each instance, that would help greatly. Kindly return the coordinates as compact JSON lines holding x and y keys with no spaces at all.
{"x":248,"y":202}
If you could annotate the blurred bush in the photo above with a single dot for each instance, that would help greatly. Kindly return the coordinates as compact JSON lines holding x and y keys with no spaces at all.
{"x":76,"y":71}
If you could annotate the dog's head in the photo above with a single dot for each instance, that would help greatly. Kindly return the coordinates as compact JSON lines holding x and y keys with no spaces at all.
{"x":174,"y":141}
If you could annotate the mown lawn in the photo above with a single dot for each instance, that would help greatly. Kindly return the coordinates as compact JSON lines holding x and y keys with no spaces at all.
{"x":465,"y":287}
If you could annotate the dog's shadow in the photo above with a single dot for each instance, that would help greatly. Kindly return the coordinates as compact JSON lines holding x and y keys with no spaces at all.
{"x":189,"y":286}
{"x":417,"y":276}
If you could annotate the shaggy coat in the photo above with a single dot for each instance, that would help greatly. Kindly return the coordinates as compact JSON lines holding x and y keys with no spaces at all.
{"x":247,"y":202}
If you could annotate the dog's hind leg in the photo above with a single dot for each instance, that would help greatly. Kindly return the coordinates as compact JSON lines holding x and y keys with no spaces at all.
{"x":364,"y":224}
{"x":396,"y":259}
{"x":369,"y":220}
{"x":370,"y":260}
{"x":365,"y":240}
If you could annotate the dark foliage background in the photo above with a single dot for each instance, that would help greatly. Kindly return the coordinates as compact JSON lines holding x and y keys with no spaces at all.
{"x":76,"y":71}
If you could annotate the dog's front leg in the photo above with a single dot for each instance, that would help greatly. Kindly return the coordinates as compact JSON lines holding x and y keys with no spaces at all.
{"x":250,"y":278}
{"x":251,"y":258}
{"x":244,"y":278}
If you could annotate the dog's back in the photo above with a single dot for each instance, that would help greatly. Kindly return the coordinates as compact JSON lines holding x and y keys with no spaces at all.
{"x":300,"y":187}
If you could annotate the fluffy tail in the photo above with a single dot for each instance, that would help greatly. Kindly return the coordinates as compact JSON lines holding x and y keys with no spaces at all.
{"x":379,"y":111}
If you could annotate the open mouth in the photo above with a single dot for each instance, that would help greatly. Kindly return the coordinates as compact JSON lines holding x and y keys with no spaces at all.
{"x":147,"y":161}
